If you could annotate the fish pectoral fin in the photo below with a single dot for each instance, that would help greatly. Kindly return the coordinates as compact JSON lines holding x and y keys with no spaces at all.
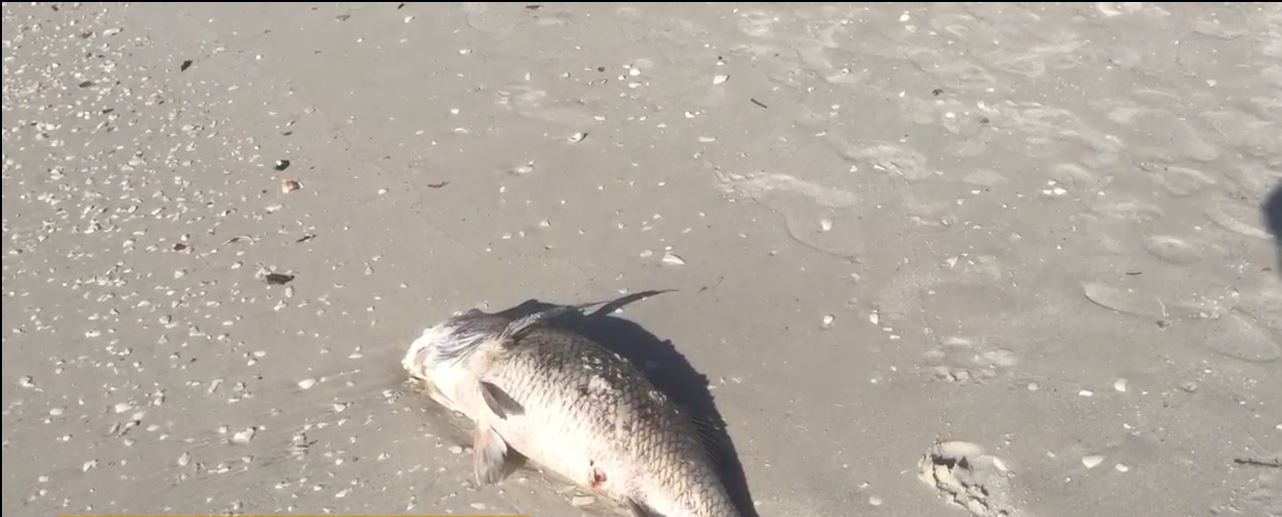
{"x":499,"y":401}
{"x":489,"y":457}
{"x":640,"y":510}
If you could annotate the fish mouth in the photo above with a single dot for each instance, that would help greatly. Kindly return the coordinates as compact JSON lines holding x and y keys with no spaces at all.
{"x":415,"y":360}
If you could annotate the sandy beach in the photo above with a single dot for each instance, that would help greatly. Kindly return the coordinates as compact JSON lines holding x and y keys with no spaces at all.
{"x":928,"y":259}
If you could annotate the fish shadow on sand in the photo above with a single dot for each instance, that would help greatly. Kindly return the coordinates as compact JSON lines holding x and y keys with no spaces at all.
{"x":1273,"y":219}
{"x":672,"y":374}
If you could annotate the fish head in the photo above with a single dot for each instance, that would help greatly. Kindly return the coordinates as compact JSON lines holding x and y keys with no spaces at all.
{"x":439,"y":357}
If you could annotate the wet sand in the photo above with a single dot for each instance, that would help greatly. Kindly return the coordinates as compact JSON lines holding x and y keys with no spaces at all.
{"x":1037,"y":234}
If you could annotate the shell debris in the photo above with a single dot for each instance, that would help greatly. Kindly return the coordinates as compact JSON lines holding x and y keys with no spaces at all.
{"x":289,"y":185}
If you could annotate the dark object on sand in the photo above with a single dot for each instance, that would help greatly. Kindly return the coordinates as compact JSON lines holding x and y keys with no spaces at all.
{"x":1273,"y":213}
{"x":279,"y":278}
{"x":282,"y":165}
{"x":1273,"y":219}
{"x":186,"y":64}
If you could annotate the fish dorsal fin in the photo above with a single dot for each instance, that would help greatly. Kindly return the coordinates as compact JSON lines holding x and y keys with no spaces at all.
{"x":525,"y":323}
{"x":618,"y":303}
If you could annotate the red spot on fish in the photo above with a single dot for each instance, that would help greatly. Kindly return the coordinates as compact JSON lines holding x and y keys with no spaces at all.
{"x":598,"y":476}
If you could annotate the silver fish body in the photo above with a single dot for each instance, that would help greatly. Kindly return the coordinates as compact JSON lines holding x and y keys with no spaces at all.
{"x":571,"y":405}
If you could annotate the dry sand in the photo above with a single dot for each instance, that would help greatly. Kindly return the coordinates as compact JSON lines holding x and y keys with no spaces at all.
{"x":1035,"y":230}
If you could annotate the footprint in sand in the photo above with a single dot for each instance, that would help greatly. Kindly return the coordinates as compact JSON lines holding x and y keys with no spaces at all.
{"x":1171,"y":249}
{"x":890,"y":158}
{"x":965,"y":475}
{"x":537,"y":104}
{"x":759,"y":186}
{"x":1179,"y":181}
{"x":1191,"y":143}
{"x":809,"y":209}
{"x":1122,"y":300}
{"x":1238,"y":218}
{"x":496,"y":19}
{"x":1133,"y":210}
{"x":1265,"y":495}
{"x":963,"y":360}
{"x":757,"y":24}
{"x":1239,"y":336}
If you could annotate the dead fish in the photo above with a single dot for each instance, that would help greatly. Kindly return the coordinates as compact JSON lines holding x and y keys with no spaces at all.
{"x":536,"y":386}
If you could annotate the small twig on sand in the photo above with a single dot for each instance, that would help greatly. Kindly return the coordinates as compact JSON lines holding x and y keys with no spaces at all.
{"x":1277,"y":464}
{"x":757,"y":102}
